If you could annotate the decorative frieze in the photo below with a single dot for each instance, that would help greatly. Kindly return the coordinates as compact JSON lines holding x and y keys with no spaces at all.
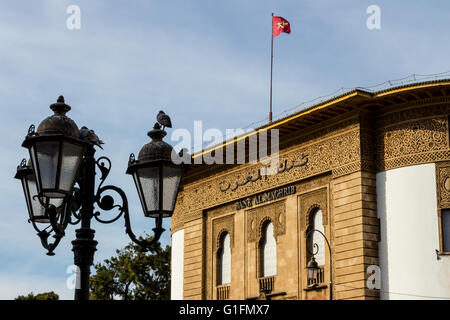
{"x":412,"y":136}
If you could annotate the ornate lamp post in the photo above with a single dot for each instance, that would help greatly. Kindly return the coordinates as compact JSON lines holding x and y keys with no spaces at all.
{"x":62,"y":156}
{"x":312,"y":268}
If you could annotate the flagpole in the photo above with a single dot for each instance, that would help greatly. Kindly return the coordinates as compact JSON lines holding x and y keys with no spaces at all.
{"x":271,"y":70}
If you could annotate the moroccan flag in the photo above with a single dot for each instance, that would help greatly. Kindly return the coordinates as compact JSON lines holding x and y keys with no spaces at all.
{"x":280,"y":25}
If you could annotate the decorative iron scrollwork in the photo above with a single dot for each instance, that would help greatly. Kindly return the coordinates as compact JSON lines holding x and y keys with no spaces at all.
{"x":71,"y":214}
{"x":104,"y":169}
{"x":58,"y":224}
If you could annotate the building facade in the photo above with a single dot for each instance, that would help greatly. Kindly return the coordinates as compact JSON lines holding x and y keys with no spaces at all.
{"x":371,"y":170}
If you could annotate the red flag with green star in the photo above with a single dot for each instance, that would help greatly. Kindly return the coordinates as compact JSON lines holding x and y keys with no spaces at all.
{"x":280,"y":25}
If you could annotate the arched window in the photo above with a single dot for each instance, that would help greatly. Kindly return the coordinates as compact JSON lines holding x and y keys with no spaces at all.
{"x":224,"y":260}
{"x":316,"y":223}
{"x":268,"y":251}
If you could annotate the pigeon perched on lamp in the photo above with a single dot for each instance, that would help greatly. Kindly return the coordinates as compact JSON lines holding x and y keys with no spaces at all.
{"x":90,"y":136}
{"x":164,"y":120}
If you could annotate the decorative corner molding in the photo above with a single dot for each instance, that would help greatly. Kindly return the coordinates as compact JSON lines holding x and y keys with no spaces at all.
{"x":311,"y":201}
{"x":219,"y":227}
{"x":275,"y":212}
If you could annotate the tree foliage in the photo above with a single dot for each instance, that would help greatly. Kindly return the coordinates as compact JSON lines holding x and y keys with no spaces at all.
{"x":133,"y":274}
{"x":40,"y":296}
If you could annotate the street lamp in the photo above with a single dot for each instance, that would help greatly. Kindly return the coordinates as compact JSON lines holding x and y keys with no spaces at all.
{"x":312,"y":268}
{"x":62,"y":156}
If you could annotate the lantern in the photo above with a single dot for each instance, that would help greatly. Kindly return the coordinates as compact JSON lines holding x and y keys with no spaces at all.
{"x":156,"y":176}
{"x":56,"y":151}
{"x":312,"y":270}
{"x":36,"y":210}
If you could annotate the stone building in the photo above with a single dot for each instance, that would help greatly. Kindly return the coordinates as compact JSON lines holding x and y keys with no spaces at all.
{"x":369,"y":169}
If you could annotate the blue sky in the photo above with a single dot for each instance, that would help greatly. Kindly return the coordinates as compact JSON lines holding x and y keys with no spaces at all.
{"x":196,"y":60}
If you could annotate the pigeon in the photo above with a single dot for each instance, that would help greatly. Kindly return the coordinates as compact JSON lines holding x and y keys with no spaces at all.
{"x":90,"y":136}
{"x":164,"y":120}
{"x":84,"y":132}
{"x":183,"y":152}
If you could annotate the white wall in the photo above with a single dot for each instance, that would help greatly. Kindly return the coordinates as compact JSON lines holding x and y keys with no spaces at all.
{"x":407,"y":208}
{"x":177,"y":263}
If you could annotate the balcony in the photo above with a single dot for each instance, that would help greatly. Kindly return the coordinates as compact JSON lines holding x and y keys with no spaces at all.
{"x":266,"y":284}
{"x":223,"y":292}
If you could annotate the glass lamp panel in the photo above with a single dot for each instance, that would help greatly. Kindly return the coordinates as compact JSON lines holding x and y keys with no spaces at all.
{"x":47,"y":158}
{"x":57,"y":202}
{"x":37,"y":210}
{"x":171,"y":181}
{"x":27,"y":196}
{"x":138,"y":187}
{"x":34,"y":163}
{"x":312,"y":274}
{"x":149,"y":180}
{"x":71,"y":158}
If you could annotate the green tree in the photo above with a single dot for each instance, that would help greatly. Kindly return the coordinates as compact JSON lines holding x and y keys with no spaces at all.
{"x":133,"y":274}
{"x":40,"y":296}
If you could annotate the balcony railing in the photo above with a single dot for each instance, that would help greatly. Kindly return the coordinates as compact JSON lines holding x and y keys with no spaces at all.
{"x":223,"y":292}
{"x":320,"y":278}
{"x":266,"y":284}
